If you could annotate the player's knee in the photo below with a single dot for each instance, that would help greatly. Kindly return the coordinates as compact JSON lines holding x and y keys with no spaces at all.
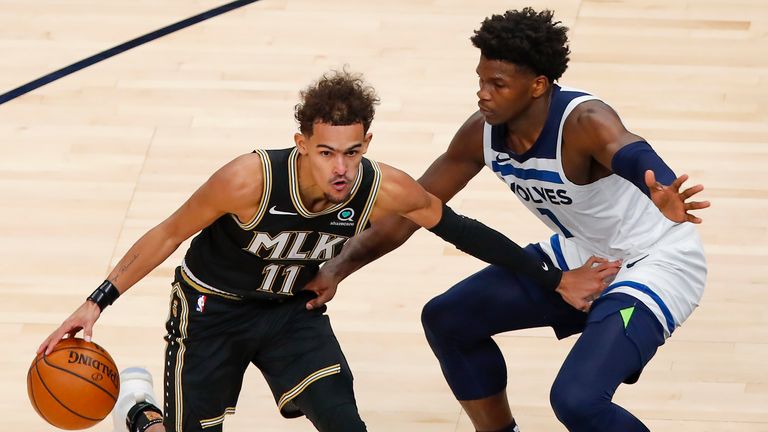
{"x":438,"y":316}
{"x":340,"y":418}
{"x":329,"y":404}
{"x":574,"y":405}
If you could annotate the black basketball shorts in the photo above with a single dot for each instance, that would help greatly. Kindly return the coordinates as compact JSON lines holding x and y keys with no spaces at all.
{"x":211,"y":341}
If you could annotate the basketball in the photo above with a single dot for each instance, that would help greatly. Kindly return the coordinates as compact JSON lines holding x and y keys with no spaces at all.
{"x":75,"y":386}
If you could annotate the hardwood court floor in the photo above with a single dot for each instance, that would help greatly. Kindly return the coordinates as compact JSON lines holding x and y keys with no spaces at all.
{"x":93,"y":160}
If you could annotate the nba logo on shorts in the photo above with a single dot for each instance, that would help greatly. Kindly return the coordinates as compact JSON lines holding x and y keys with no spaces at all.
{"x":200,"y":304}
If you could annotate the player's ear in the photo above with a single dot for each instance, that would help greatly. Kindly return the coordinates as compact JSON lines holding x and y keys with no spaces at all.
{"x":540,"y":85}
{"x":301,"y":142}
{"x":366,"y":141}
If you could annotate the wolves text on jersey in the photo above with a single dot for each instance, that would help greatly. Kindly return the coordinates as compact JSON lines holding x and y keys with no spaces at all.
{"x":539,"y":195}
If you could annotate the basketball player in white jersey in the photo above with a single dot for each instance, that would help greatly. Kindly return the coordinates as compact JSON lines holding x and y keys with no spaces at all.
{"x":602,"y":190}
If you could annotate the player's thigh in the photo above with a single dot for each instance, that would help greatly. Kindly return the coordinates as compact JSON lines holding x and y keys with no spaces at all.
{"x":305,"y":352}
{"x":204,"y":361}
{"x":496,"y":300}
{"x":620,"y":338}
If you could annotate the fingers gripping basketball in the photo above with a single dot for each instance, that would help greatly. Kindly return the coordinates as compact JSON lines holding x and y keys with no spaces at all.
{"x":75,"y":386}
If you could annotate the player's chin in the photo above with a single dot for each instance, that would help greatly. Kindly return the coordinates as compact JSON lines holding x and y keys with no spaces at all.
{"x":336,"y":197}
{"x":493,"y":119}
{"x":338,"y":192}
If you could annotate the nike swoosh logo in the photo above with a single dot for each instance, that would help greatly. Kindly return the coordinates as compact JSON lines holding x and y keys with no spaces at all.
{"x":632,"y":264}
{"x":544,"y":266}
{"x":278,"y":212}
{"x":500,"y":160}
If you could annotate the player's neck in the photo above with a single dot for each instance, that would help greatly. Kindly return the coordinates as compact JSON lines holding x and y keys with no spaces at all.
{"x":524,"y":130}
{"x":310,"y":193}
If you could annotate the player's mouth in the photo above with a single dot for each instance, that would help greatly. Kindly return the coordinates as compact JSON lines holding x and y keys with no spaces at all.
{"x":339,"y":184}
{"x":484,"y":110}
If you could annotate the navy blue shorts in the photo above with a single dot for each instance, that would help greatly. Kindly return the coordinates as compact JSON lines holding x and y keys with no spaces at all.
{"x":459,"y":325}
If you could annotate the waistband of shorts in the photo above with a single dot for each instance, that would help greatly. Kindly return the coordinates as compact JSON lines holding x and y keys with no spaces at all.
{"x":188,"y":280}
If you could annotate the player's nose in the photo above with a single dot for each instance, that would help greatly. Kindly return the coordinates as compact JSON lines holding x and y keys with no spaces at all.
{"x":339,"y":166}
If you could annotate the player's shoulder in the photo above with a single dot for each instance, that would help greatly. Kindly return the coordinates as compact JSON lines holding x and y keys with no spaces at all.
{"x":242,"y":175}
{"x":391,"y":175}
{"x":593,"y":119}
{"x":245,"y":165}
{"x":398,"y":190}
{"x":592,"y":113}
{"x":395,"y":182}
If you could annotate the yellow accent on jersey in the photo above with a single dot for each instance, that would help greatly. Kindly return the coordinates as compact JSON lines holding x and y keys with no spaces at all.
{"x":266,"y":166}
{"x":178,"y":389}
{"x":300,"y":387}
{"x":371,"y":198}
{"x":215,"y":421}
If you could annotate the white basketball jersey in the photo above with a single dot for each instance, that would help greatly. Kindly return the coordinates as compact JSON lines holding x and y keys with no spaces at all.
{"x":664,"y":265}
{"x":611,"y":217}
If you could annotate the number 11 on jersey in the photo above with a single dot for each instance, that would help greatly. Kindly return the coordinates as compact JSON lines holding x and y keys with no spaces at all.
{"x":290,"y":273}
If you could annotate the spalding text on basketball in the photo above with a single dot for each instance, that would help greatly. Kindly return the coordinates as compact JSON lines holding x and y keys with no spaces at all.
{"x":75,"y":357}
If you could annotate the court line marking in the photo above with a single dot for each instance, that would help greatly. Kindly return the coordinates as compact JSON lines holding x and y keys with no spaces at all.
{"x":133,"y":43}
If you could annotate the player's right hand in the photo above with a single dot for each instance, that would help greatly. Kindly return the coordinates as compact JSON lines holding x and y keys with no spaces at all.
{"x":673,"y":204}
{"x":580,"y":287}
{"x":324,"y":285}
{"x":81,"y":319}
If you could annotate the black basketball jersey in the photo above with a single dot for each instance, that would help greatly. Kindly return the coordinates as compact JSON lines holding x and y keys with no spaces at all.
{"x":281,"y":248}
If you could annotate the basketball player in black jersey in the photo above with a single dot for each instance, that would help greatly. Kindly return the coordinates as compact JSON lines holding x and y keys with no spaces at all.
{"x":266,"y":221}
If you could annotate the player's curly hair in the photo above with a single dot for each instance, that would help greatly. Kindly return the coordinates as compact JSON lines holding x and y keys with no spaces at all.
{"x":339,"y":98}
{"x":525,"y":38}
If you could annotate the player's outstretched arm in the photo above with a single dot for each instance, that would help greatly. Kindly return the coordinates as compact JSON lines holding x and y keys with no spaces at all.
{"x":578,"y":287}
{"x":402,"y":195}
{"x":224,"y":192}
{"x":598,"y":130}
{"x":383,"y":237}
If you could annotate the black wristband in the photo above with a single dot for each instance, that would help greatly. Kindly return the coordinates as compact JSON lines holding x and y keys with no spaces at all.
{"x":137,"y":422}
{"x":104,"y":295}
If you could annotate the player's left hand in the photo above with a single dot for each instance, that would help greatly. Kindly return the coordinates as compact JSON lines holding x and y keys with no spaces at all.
{"x":673,"y":203}
{"x":324,"y":285}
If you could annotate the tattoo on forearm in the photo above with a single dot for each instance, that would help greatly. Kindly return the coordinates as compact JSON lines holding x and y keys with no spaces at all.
{"x":123,"y":268}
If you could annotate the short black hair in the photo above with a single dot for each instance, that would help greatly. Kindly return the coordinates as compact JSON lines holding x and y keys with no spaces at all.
{"x":339,"y":98}
{"x":525,"y":38}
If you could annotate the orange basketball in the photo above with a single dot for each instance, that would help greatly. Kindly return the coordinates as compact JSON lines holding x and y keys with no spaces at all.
{"x":75,"y":386}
